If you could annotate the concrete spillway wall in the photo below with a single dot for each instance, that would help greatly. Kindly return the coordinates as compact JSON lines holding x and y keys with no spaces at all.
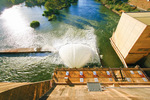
{"x":24,"y":91}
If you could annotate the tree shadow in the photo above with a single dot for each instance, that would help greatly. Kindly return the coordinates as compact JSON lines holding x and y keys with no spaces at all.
{"x":79,"y":23}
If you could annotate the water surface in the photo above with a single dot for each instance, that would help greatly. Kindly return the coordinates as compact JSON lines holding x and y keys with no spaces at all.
{"x":87,"y":22}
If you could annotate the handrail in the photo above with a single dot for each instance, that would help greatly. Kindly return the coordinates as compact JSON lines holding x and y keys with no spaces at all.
{"x":98,"y":69}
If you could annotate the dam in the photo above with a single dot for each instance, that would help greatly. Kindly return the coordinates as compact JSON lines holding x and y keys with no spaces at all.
{"x":83,"y":83}
{"x":35,"y":78}
{"x":78,"y":82}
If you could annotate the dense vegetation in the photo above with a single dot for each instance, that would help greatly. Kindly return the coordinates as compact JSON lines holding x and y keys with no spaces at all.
{"x":119,"y":5}
{"x":15,"y":1}
{"x":53,"y":7}
{"x":31,"y":3}
{"x":34,"y":24}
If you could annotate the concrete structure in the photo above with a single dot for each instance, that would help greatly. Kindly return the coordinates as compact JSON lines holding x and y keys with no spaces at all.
{"x":24,"y":91}
{"x":143,"y":4}
{"x":131,"y":40}
{"x":72,"y":84}
{"x":24,"y":50}
{"x":80,"y":92}
{"x":73,"y":76}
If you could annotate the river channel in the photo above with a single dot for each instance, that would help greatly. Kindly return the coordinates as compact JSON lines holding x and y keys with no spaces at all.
{"x":87,"y":22}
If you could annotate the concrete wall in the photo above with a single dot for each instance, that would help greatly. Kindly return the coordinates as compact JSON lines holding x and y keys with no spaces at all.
{"x":127,"y":33}
{"x":144,"y":4}
{"x":132,"y":36}
{"x":141,"y":48}
{"x":133,"y":58}
{"x":31,"y":91}
{"x":143,"y":43}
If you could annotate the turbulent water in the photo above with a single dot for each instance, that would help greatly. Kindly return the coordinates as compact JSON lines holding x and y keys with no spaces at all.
{"x":87,"y":22}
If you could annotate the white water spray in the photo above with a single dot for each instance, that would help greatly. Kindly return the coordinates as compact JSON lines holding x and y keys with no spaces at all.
{"x":75,"y":55}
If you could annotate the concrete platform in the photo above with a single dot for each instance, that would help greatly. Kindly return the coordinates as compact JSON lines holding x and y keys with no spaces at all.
{"x":80,"y":92}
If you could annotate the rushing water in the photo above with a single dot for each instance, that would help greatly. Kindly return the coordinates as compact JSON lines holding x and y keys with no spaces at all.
{"x":87,"y":22}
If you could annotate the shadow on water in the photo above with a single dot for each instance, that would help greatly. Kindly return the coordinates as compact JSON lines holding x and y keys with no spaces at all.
{"x":86,"y":23}
{"x":79,"y":23}
{"x":63,"y":18}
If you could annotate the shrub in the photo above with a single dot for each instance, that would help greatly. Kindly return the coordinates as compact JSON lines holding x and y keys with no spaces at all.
{"x":52,"y":17}
{"x":148,"y":9}
{"x":109,"y":2}
{"x":56,"y":12}
{"x":136,"y":10}
{"x":127,"y":8}
{"x":73,"y":1}
{"x":34,"y":24}
{"x":119,"y":3}
{"x":111,"y":7}
{"x":117,"y":7}
{"x":64,"y":5}
{"x":48,"y":12}
{"x":29,"y":4}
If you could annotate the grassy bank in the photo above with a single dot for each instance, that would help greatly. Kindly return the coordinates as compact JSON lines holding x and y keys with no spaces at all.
{"x":118,"y":6}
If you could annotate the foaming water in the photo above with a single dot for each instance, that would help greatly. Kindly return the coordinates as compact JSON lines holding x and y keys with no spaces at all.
{"x":75,"y":55}
{"x":40,"y":68}
{"x":74,"y":35}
